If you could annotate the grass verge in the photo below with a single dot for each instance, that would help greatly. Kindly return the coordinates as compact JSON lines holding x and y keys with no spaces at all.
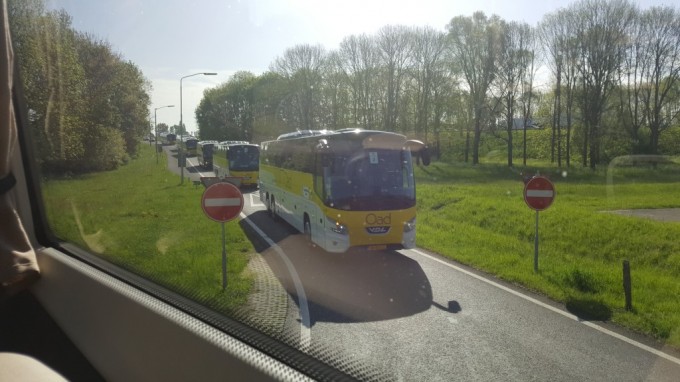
{"x":140,"y":218}
{"x":476,"y":215}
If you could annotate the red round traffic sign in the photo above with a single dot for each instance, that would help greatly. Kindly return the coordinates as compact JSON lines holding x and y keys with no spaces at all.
{"x":539,"y":193}
{"x":222,"y":202}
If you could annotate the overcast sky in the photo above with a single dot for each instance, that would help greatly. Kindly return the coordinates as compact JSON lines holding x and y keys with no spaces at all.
{"x":170,"y":39}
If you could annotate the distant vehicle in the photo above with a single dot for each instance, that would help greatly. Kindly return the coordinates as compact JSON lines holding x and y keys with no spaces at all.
{"x":204,"y":153}
{"x":239,"y":159}
{"x":353,"y":188}
{"x":189,"y":146}
{"x":167,"y":138}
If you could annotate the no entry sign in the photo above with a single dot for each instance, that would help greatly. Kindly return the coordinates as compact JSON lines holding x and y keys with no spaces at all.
{"x":222,"y":202}
{"x":539,"y":193}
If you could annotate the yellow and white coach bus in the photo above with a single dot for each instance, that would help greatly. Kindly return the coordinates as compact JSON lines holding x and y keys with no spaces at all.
{"x":346,"y":188}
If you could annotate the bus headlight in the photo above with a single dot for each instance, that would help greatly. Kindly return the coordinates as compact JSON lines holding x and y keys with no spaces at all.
{"x":336,"y":226}
{"x":410,"y":225}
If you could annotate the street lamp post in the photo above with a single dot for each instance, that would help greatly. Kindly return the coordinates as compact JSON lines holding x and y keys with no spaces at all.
{"x":155,"y":125}
{"x":181,"y":121}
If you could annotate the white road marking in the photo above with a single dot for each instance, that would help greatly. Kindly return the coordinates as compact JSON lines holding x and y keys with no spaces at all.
{"x":196,"y":166}
{"x":556,"y":310}
{"x":222,"y":202}
{"x":540,"y":193}
{"x":306,"y":328}
{"x":252,"y":201}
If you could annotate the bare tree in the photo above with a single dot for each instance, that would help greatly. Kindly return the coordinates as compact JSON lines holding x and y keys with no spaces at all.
{"x":475,"y":43}
{"x":631,"y":83}
{"x":359,"y":59}
{"x":601,"y":33}
{"x":516,"y":59}
{"x":335,"y":93}
{"x":526,"y":100}
{"x":301,"y":66}
{"x":428,"y":54}
{"x":660,"y":69}
{"x":395,"y":50}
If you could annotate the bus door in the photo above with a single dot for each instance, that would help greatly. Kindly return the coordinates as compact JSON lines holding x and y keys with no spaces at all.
{"x":322,"y":170}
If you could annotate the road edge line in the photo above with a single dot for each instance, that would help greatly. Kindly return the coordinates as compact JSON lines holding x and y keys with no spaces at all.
{"x":305,"y":330}
{"x":621,"y":337}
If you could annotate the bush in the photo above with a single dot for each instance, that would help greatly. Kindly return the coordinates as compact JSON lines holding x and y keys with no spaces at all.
{"x":669,"y":142}
{"x":104,"y":149}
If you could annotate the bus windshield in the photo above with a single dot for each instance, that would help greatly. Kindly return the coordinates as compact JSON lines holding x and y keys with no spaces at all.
{"x":368,"y":180}
{"x":244,"y":158}
{"x":191,"y":143}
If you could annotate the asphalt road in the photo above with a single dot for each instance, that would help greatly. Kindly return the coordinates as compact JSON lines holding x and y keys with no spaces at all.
{"x":415,"y":316}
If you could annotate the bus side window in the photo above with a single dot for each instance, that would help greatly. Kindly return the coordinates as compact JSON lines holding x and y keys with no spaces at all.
{"x":407,"y":170}
{"x":321,"y":174}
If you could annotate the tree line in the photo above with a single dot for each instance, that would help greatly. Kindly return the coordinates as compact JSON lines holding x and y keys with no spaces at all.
{"x":87,"y":106}
{"x":613,"y":86}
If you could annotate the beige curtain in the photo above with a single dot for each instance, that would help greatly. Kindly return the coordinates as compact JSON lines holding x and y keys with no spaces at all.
{"x":18,"y":265}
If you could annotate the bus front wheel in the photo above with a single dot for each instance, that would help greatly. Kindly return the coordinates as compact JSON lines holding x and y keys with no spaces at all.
{"x":272,"y":207}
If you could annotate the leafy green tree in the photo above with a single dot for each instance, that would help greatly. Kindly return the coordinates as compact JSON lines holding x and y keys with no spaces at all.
{"x":132,"y":102}
{"x":162,"y":127}
{"x":53,"y":79}
{"x":269,"y":92}
{"x":227,"y":111}
{"x":81,"y":96}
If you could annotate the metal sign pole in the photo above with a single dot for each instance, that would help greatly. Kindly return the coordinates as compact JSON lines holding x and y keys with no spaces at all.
{"x":536,"y":245}
{"x":222,"y":202}
{"x":224,"y":260}
{"x":181,"y":163}
{"x":539,"y":193}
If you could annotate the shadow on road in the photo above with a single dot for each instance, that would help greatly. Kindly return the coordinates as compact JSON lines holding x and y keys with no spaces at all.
{"x":589,"y":309}
{"x":357,"y":286}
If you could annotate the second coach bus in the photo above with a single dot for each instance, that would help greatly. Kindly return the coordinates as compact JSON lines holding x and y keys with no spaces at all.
{"x":244,"y":162}
{"x":350,"y":188}
{"x":189,"y":145}
{"x":240,"y":160}
{"x":167,"y":138}
{"x":204,"y":152}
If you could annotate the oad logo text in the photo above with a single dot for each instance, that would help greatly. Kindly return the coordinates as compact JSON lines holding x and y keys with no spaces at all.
{"x":373,"y":219}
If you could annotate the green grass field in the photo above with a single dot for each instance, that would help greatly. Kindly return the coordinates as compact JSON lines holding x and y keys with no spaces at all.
{"x":141,"y":218}
{"x":220,"y":158}
{"x":477,"y":216}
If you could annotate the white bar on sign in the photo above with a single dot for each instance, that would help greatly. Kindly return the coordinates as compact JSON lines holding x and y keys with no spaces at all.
{"x":222,"y":202}
{"x":540,"y":193}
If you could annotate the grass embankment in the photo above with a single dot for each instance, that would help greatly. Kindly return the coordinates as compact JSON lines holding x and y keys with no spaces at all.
{"x":477,"y":216}
{"x":141,"y":218}
{"x":220,"y":158}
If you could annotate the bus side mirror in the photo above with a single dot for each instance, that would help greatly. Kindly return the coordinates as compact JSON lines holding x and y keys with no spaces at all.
{"x":425,"y":155}
{"x":420,"y":149}
{"x":322,"y":146}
